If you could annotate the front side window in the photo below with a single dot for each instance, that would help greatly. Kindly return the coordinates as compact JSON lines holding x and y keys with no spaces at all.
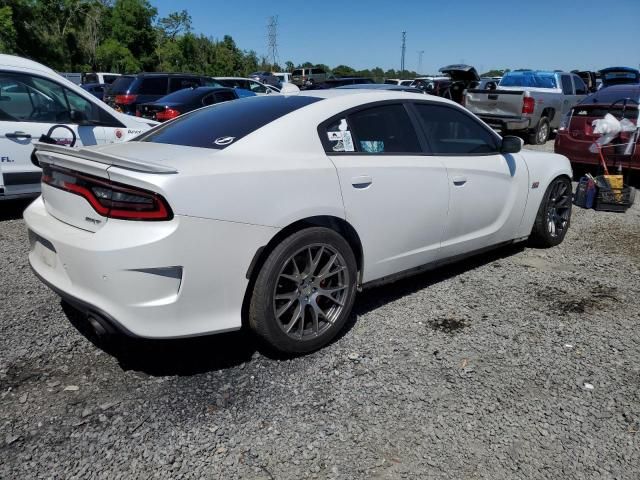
{"x":25,"y":98}
{"x":255,"y":87}
{"x":567,"y":88}
{"x":450,"y":131}
{"x":581,"y":88}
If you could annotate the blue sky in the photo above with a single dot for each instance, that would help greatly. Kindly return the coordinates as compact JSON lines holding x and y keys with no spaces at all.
{"x":544,"y":34}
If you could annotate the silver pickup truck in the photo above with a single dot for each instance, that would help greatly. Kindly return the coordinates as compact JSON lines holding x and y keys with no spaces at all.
{"x":528,"y":102}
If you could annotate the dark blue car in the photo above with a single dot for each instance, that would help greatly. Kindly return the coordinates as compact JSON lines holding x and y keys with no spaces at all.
{"x":186,"y":100}
{"x":96,"y":89}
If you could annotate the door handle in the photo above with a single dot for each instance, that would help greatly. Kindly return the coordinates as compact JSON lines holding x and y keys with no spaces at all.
{"x":18,"y":135}
{"x":363,"y":181}
{"x":459,"y":180}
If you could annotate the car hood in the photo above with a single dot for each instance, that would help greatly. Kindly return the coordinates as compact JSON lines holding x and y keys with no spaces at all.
{"x":465,"y":73}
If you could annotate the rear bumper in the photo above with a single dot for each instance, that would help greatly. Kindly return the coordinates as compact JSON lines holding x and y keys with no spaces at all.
{"x":180,"y":278}
{"x":507,"y":123}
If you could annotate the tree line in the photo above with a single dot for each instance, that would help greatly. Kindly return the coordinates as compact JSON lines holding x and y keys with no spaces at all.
{"x":128,"y":36}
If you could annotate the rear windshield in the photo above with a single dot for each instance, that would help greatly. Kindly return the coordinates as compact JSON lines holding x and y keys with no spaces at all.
{"x":297,"y":72}
{"x":121,"y":85}
{"x":614,"y":94}
{"x":224,"y":124}
{"x":529,"y":79}
{"x":614,"y":77}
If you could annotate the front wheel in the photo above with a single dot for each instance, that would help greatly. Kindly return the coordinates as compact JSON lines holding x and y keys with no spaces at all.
{"x":554,"y":214}
{"x":304,"y":292}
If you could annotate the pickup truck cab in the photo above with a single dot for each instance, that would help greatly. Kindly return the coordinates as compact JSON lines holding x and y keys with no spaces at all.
{"x":528,"y":102}
{"x":34,"y":98}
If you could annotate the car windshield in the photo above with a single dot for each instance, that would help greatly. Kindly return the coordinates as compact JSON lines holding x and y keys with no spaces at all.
{"x":529,"y":79}
{"x":614,"y":77}
{"x":224,"y":124}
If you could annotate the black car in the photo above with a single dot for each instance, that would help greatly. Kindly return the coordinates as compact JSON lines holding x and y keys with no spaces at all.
{"x":130,"y":90}
{"x":183,"y":101}
{"x":341,"y":82}
{"x":96,"y":89}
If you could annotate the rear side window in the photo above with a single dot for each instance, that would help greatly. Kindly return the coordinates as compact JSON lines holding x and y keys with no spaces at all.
{"x":317,"y":71}
{"x":179,"y":83}
{"x":567,"y":88}
{"x":225,"y":96}
{"x":450,"y":131}
{"x":225,"y":123}
{"x":296,"y":72}
{"x":377,"y":130}
{"x":153,"y":86}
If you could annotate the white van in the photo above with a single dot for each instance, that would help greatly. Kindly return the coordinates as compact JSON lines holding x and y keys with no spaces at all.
{"x":33,"y":98}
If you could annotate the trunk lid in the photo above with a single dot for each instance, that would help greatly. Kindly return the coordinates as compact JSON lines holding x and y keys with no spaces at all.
{"x":461,"y":73}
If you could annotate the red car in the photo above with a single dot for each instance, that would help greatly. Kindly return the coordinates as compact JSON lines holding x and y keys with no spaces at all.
{"x":575,"y":134}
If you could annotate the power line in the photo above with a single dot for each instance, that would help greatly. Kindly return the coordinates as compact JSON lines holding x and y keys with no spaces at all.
{"x":404,"y":49}
{"x":272,"y":40}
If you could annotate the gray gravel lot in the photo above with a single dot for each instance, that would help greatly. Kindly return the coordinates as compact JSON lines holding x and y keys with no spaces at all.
{"x":516,"y":365}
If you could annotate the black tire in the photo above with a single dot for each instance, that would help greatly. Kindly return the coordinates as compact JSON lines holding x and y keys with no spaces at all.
{"x":541,"y":133}
{"x":554,"y":214}
{"x":263,"y":318}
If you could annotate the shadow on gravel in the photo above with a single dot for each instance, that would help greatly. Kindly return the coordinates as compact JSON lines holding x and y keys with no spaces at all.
{"x":182,"y":357}
{"x":13,"y":209}
{"x":192,"y":356}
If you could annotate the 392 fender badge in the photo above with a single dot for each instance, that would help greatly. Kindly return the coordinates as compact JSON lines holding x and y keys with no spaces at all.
{"x":535,"y":184}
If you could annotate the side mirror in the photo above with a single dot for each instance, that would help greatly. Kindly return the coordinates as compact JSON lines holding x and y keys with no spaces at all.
{"x":511,"y":144}
{"x":78,"y":117}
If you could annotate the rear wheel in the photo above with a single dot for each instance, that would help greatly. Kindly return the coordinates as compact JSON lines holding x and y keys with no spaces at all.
{"x":554,"y":214}
{"x":540,"y":134}
{"x":304,"y":292}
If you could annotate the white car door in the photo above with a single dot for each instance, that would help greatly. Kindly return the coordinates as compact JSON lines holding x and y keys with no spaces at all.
{"x":487,"y":189}
{"x":29,"y":106}
{"x":395,"y":197}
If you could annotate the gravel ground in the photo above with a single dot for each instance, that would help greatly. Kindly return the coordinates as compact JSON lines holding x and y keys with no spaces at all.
{"x":517,"y":365}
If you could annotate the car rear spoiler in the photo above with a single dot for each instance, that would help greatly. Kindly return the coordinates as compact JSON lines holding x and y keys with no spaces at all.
{"x":104,"y":158}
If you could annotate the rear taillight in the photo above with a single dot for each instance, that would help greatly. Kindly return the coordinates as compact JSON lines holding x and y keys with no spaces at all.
{"x":528,"y":104}
{"x":126,"y":99}
{"x":109,"y":199}
{"x":167,"y":114}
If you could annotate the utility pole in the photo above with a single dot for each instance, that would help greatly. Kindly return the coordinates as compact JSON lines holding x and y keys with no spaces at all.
{"x":404,"y":48}
{"x":272,"y":40}
{"x":420,"y":54}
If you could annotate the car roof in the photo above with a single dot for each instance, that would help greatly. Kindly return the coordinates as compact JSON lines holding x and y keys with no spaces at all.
{"x":619,"y":69}
{"x":381,"y":86}
{"x":19,"y":62}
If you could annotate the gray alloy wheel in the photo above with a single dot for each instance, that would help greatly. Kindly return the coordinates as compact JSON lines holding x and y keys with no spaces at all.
{"x":558,"y":209}
{"x":310,"y":291}
{"x":554,"y":214}
{"x":304,"y":291}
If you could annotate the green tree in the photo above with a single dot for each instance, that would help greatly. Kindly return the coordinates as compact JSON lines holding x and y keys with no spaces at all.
{"x":289,"y":66}
{"x":131,"y":24}
{"x":112,"y":56}
{"x":7,"y":30}
{"x":343,"y":71}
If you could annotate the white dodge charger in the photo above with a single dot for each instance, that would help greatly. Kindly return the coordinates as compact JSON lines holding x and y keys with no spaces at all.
{"x":273,"y":211}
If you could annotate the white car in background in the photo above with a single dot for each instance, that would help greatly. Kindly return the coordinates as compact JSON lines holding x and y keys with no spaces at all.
{"x":276,"y":209}
{"x":285,"y":77}
{"x":247,"y":84}
{"x":34,"y":98}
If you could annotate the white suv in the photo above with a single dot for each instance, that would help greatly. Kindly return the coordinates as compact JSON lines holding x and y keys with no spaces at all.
{"x":33,"y":98}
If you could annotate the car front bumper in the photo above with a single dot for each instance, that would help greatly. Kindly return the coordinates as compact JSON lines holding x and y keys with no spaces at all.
{"x":179,"y":278}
